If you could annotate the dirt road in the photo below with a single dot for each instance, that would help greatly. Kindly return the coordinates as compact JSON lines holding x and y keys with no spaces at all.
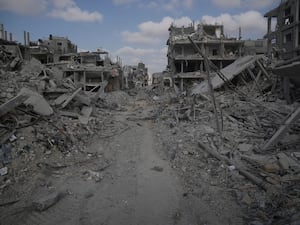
{"x":125,"y":181}
{"x":119,"y":179}
{"x":142,"y":188}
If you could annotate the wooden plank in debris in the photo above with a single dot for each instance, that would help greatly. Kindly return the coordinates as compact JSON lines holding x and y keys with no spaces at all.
{"x":209,"y":81}
{"x":254,"y":79}
{"x":12,"y":103}
{"x":256,"y":180}
{"x":263,"y":70}
{"x":283,"y":130}
{"x":70,"y":98}
{"x":68,"y":114}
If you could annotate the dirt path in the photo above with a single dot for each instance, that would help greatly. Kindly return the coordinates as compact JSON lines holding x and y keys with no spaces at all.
{"x":138,"y":187}
{"x":142,"y":188}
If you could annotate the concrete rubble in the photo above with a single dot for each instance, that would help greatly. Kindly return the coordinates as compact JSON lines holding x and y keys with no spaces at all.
{"x":231,"y":131}
{"x":44,"y":116}
{"x":253,"y":154}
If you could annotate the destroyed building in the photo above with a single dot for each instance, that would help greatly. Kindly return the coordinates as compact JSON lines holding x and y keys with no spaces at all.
{"x":225,"y":152}
{"x":285,"y":39}
{"x":49,"y":50}
{"x":136,"y":76}
{"x":91,"y":69}
{"x":284,"y":45}
{"x":11,"y":53}
{"x":185,"y":63}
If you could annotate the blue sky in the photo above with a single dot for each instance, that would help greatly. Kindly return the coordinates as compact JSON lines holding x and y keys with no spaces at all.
{"x":135,"y":30}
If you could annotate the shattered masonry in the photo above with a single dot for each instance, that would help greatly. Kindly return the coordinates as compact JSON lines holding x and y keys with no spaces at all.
{"x":225,"y":114}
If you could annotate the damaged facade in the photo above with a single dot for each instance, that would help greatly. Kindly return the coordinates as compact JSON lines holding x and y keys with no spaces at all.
{"x":91,"y":69}
{"x":231,"y":140}
{"x":186,"y":64}
{"x":284,"y":46}
{"x":136,"y":76}
{"x":49,"y":50}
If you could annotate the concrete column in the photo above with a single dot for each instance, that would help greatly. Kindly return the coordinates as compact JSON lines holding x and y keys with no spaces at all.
{"x":286,"y":89}
{"x":2,"y":31}
{"x":297,"y":26}
{"x":222,"y":49}
{"x":28,"y":38}
{"x":269,"y":47}
{"x":102,"y":76}
{"x":181,"y":69}
{"x":84,"y":80}
{"x":25,"y":38}
{"x":5,"y":35}
{"x":10,"y":37}
{"x":181,"y":84}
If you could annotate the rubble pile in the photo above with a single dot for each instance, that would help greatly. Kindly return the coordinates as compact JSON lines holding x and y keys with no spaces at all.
{"x":44,"y":117}
{"x":253,"y":156}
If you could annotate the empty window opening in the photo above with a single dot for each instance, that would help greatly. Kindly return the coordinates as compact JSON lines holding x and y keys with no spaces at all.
{"x":287,"y":38}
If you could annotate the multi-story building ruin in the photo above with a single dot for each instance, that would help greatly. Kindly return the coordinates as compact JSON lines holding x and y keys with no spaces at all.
{"x":285,"y":39}
{"x":49,"y":50}
{"x":284,"y":44}
{"x":184,"y":62}
{"x":136,"y":76}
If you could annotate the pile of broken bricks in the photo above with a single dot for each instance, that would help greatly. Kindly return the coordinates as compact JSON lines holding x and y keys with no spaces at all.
{"x":254,"y":151}
{"x":41,"y":113}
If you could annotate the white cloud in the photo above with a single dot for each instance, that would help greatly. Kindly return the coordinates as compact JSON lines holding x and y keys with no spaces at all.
{"x":150,"y":5}
{"x":168,"y":5}
{"x":122,"y":2}
{"x":153,"y":32}
{"x":69,"y":11}
{"x":63,"y":9}
{"x":253,"y":23}
{"x":253,"y":4}
{"x":63,"y":3}
{"x":24,"y":7}
{"x":227,"y":4}
{"x":154,"y":58}
{"x":174,"y":5}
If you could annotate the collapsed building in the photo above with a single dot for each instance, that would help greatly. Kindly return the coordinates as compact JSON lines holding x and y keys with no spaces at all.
{"x":136,"y":76}
{"x":49,"y":50}
{"x":284,"y":45}
{"x":184,"y":62}
{"x":243,"y":140}
{"x":91,"y":69}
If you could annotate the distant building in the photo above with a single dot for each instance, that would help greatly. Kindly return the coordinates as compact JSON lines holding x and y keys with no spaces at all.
{"x":49,"y":50}
{"x":285,"y":39}
{"x":284,"y":44}
{"x":136,"y":75}
{"x":186,"y":64}
{"x":182,"y":57}
{"x":255,"y":47}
